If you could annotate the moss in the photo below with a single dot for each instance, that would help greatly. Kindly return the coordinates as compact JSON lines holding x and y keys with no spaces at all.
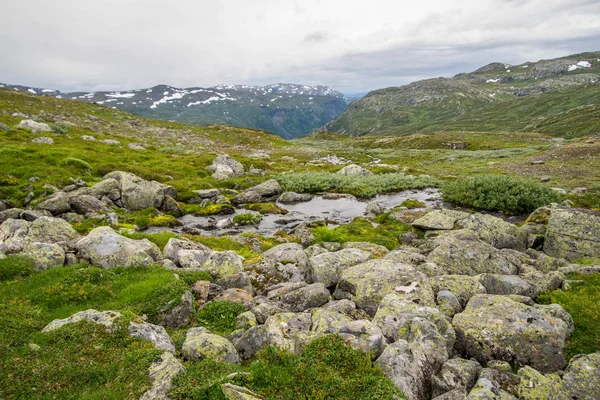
{"x":412,"y":204}
{"x":211,"y":209}
{"x":266,"y":208}
{"x":247,"y":219}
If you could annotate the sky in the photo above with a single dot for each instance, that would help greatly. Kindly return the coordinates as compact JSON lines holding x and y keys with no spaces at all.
{"x":351,"y":46}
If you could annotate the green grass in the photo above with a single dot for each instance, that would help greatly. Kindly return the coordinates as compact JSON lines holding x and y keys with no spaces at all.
{"x":581,"y":302}
{"x":247,"y":219}
{"x":362,"y":186}
{"x":159,"y":239}
{"x":219,"y":316}
{"x":225,"y":243}
{"x":412,"y":204}
{"x":499,"y":193}
{"x":362,"y":230}
{"x":13,"y":267}
{"x":327,"y":369}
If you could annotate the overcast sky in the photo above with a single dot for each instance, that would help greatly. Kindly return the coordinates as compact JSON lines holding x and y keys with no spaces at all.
{"x":352,"y":46}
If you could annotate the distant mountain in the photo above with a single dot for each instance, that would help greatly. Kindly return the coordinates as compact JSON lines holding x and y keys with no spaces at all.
{"x":560,"y":97}
{"x":288,"y":110}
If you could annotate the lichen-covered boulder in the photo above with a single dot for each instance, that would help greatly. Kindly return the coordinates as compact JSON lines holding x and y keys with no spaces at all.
{"x":354,"y":170}
{"x":438,"y":220}
{"x":462,"y":286}
{"x":496,"y":231}
{"x":291,"y":197}
{"x":368,"y":283}
{"x":225,"y":167}
{"x":33,"y":126}
{"x":233,"y":392}
{"x":486,"y":389}
{"x":104,"y":318}
{"x":223,"y":264}
{"x":508,"y":284}
{"x":155,"y":334}
{"x":12,"y":235}
{"x":306,"y":297}
{"x":500,"y":328}
{"x":175,"y":245}
{"x":376,"y":250}
{"x":456,"y":373}
{"x":289,"y":254}
{"x":108,"y":187}
{"x":45,"y":255}
{"x":582,"y":376}
{"x":200,"y":344}
{"x":464,"y":254}
{"x":51,"y":230}
{"x":573,"y":234}
{"x":57,"y":203}
{"x":534,"y":385}
{"x":162,"y":373}
{"x":365,"y":336}
{"x":265,"y":192}
{"x":10,"y":213}
{"x":326,"y":267}
{"x":86,"y":204}
{"x":328,"y":321}
{"x":177,"y":314}
{"x":448,"y":303}
{"x":138,"y":193}
{"x":105,"y":248}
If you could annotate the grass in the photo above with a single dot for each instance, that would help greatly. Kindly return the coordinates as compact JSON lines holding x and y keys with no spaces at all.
{"x":327,"y":369}
{"x":581,"y":302}
{"x":362,"y":230}
{"x":13,"y":267}
{"x":361,"y":186}
{"x":499,"y":193}
{"x":219,"y":316}
{"x":247,"y":219}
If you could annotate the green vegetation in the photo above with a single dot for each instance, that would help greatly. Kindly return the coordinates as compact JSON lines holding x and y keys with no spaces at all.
{"x":75,"y":163}
{"x":219,"y":316}
{"x":13,"y":267}
{"x":159,"y":239}
{"x":412,"y":204}
{"x":266,"y":208}
{"x":581,"y":302}
{"x":362,"y":230}
{"x":327,"y":369}
{"x":211,"y":209}
{"x":247,"y":219}
{"x":499,"y":193}
{"x":362,"y":186}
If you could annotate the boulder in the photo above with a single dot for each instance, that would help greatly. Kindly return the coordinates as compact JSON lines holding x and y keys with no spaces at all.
{"x":178,"y":314}
{"x":326,"y":267}
{"x":289,"y":253}
{"x":328,"y":321}
{"x":265,"y":192}
{"x":43,"y":140}
{"x":306,"y":297}
{"x":495,"y":231}
{"x":86,"y":204}
{"x":508,"y":284}
{"x":33,"y":126}
{"x":222,"y":264}
{"x":233,"y":392}
{"x":486,"y":389}
{"x":436,"y":220}
{"x":105,"y":248}
{"x":10,"y":213}
{"x":162,"y":373}
{"x":108,"y":187}
{"x":368,"y":283}
{"x":51,"y":230}
{"x":582,"y":376}
{"x":376,"y":250}
{"x":192,"y":258}
{"x":104,"y":318}
{"x":138,"y":194}
{"x":291,"y":197}
{"x":155,"y":334}
{"x":354,"y":170}
{"x":44,"y":255}
{"x":534,"y":385}
{"x":573,"y":234}
{"x":462,"y":286}
{"x":456,"y":373}
{"x":364,"y":336}
{"x":12,"y":235}
{"x":200,"y":344}
{"x":225,"y":167}
{"x":500,"y":328}
{"x":174,"y":245}
{"x":55,"y":204}
{"x":448,"y":303}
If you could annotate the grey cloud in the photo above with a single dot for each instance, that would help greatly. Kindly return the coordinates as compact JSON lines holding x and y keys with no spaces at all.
{"x":316,"y":37}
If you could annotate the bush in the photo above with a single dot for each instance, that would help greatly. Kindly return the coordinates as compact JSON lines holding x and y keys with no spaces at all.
{"x":13,"y":267}
{"x":61,"y":129}
{"x":499,"y":193}
{"x":76,"y":163}
{"x":247,"y":219}
{"x":362,"y":186}
{"x":219,"y":316}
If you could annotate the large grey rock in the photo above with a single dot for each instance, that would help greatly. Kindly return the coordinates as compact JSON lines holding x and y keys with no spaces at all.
{"x":33,"y":126}
{"x":291,"y":197}
{"x":162,"y":373}
{"x":86,"y":204}
{"x":328,"y":321}
{"x":57,"y":203}
{"x":12,"y":235}
{"x":264,"y":192}
{"x":192,"y":258}
{"x":138,"y":193}
{"x":104,"y":318}
{"x":51,"y":230}
{"x":364,"y":336}
{"x":456,"y":373}
{"x":10,"y":213}
{"x":573,"y":234}
{"x":368,"y":283}
{"x":174,"y":245}
{"x":495,"y":231}
{"x":178,"y":314}
{"x":534,"y":385}
{"x":44,"y":255}
{"x":225,"y":167}
{"x":233,"y":392}
{"x":582,"y":377}
{"x":105,"y":248}
{"x":462,"y":286}
{"x":107,"y":187}
{"x":306,"y":297}
{"x":500,"y":328}
{"x":436,"y":220}
{"x":326,"y":267}
{"x":155,"y":334}
{"x":289,"y":253}
{"x":223,"y":264}
{"x":354,"y":170}
{"x":376,"y":250}
{"x":486,"y":389}
{"x":508,"y":284}
{"x":201,"y":344}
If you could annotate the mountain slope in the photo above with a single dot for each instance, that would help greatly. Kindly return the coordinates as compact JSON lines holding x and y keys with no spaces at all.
{"x":287,"y":110}
{"x":560,"y":97}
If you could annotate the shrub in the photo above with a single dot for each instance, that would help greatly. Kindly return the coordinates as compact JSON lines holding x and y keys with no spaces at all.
{"x":247,"y":219}
{"x":172,"y":150}
{"x":61,"y":129}
{"x":219,"y":316}
{"x":362,"y":186}
{"x":76,"y":163}
{"x":13,"y":267}
{"x":499,"y":193}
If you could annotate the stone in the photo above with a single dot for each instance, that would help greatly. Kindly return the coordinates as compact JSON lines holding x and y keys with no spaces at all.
{"x":4,"y":127}
{"x":368,"y":283}
{"x":43,"y":140}
{"x":291,"y":197}
{"x":222,"y":264}
{"x":108,"y":187}
{"x":58,"y":203}
{"x":354,"y":170}
{"x":238,"y":280}
{"x":374,"y":208}
{"x":534,"y":385}
{"x":251,"y":342}
{"x":485,"y":389}
{"x":51,"y":230}
{"x":233,"y":392}
{"x":236,"y":295}
{"x":500,"y":328}
{"x":155,"y":334}
{"x":435,"y":220}
{"x":456,"y":373}
{"x":33,"y":126}
{"x":448,"y":303}
{"x":174,"y":245}
{"x":12,"y":235}
{"x":364,"y":336}
{"x":326,"y":267}
{"x":135,"y":146}
{"x":105,"y":248}
{"x":463,"y":287}
{"x":245,"y":320}
{"x":310,"y":296}
{"x":328,"y":321}
{"x":376,"y":250}
{"x":162,"y":373}
{"x":104,"y":318}
{"x":457,"y":394}
{"x":582,"y":376}
{"x":200,"y":344}
{"x":264,"y":192}
{"x":178,"y":315}
{"x":315,"y":250}
{"x":573,"y":234}
{"x":111,"y":142}
{"x":225,"y":167}
{"x":45,"y":255}
{"x":138,"y":194}
{"x":496,"y":232}
{"x":304,"y":234}
{"x":192,"y":258}
{"x":86,"y":204}
{"x":508,"y":284}
{"x":32,"y":215}
{"x":407,"y":238}
{"x":289,"y":253}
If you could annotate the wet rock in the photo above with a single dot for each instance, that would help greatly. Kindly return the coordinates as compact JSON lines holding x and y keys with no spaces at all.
{"x":155,"y":334}
{"x":162,"y":373}
{"x":104,"y":318}
{"x":326,"y":267}
{"x":573,"y":234}
{"x":200,"y":344}
{"x":368,"y":283}
{"x":500,"y":328}
{"x":291,"y":197}
{"x":105,"y":248}
{"x":354,"y":170}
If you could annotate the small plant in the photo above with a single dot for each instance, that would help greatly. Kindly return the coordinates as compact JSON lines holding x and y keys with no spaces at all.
{"x":247,"y":219}
{"x":76,"y":163}
{"x":412,"y":204}
{"x":60,"y":128}
{"x":219,"y":316}
{"x":499,"y":193}
{"x":13,"y":267}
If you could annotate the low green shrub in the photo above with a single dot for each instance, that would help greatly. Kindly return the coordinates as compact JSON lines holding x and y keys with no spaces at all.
{"x":499,"y":193}
{"x":61,"y":129}
{"x":247,"y":219}
{"x":76,"y":163}
{"x":219,"y":316}
{"x":362,"y":186}
{"x":172,"y":150}
{"x":13,"y":267}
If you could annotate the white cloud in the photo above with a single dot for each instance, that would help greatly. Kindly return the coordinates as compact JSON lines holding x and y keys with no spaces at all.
{"x":352,"y":46}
